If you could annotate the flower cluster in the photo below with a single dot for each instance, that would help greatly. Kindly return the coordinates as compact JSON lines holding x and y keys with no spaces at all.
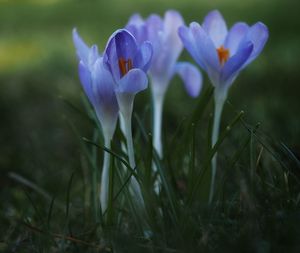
{"x":152,"y":47}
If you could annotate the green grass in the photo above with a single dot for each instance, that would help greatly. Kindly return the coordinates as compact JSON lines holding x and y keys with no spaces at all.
{"x":48,"y":203}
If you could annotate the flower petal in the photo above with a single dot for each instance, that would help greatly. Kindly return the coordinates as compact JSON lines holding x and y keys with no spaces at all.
{"x":235,"y":36}
{"x":137,"y":27}
{"x":258,"y":34}
{"x":82,"y":49}
{"x":191,"y":77}
{"x":134,"y":81}
{"x":189,"y":43}
{"x":172,"y":21}
{"x":215,"y":26}
{"x":235,"y":63}
{"x":143,"y":58}
{"x":86,"y":81}
{"x":205,"y":47}
{"x":103,"y":85}
{"x":121,"y":44}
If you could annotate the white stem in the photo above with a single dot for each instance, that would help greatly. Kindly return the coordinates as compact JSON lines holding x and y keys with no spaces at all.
{"x":126,"y":108}
{"x":105,"y":177}
{"x":220,"y":97}
{"x":158,"y":101}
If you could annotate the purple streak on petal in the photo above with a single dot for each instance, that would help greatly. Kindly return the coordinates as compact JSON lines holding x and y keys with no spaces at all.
{"x":134,"y":81}
{"x":235,"y":36}
{"x":235,"y":63}
{"x":189,"y":43}
{"x":86,"y":81}
{"x":215,"y":26}
{"x":81,"y":48}
{"x":205,"y":47}
{"x":143,"y":58}
{"x":191,"y":77}
{"x":258,"y":34}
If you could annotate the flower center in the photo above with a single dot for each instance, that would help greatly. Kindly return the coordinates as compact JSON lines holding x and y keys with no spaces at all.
{"x":124,"y":66}
{"x":223,"y":54}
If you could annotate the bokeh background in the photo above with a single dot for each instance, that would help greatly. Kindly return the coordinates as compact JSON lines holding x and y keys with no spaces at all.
{"x":38,"y":73}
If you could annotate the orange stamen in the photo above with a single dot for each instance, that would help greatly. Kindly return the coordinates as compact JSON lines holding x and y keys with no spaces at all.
{"x":223,"y":54}
{"x":125,"y":66}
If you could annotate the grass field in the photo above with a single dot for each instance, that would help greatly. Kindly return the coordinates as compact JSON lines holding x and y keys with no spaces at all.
{"x":39,"y":81}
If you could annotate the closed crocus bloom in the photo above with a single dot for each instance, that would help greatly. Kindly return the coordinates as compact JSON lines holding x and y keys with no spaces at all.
{"x":128,"y":63}
{"x":222,"y":54}
{"x":98,"y":85}
{"x":167,"y":46}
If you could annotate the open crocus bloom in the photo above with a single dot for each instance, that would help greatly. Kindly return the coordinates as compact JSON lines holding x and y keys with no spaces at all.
{"x":128,"y":62}
{"x":162,"y":33}
{"x":222,"y":53}
{"x":98,"y":85}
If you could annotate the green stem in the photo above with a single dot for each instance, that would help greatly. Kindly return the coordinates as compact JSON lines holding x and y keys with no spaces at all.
{"x":220,"y":97}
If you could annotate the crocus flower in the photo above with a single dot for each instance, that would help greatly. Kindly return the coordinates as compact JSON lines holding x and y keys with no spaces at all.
{"x":98,"y":85}
{"x":222,"y":54}
{"x":167,"y":47}
{"x":128,"y":63}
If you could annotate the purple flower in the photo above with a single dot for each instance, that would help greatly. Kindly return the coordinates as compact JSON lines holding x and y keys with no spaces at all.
{"x":162,"y":33}
{"x":98,"y":85}
{"x":222,"y":53}
{"x":128,"y":62}
{"x":167,"y":46}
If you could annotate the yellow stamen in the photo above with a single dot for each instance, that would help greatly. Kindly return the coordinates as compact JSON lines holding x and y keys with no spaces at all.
{"x":223,"y":54}
{"x":124,"y":66}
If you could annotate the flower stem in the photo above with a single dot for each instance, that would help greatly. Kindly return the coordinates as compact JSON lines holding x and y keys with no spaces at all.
{"x":158,"y":101}
{"x":126,"y":108}
{"x":219,"y":103}
{"x":105,"y":177}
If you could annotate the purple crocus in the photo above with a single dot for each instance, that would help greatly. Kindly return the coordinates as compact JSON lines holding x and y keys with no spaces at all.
{"x":98,"y":85}
{"x":128,"y":63}
{"x":167,"y":47}
{"x":222,"y":54}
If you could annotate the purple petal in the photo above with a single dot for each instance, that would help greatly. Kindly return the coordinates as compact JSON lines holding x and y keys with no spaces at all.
{"x":143,"y":58}
{"x":81,"y":48}
{"x":235,"y":36}
{"x":155,"y":25}
{"x":189,"y":43}
{"x":103,"y":85}
{"x":258,"y":34}
{"x":191,"y":77}
{"x":120,"y":45}
{"x":172,"y":21}
{"x":215,"y":27}
{"x":86,"y":81}
{"x":205,"y":47}
{"x":93,"y":55}
{"x":235,"y":63}
{"x":137,"y":27}
{"x":133,"y":82}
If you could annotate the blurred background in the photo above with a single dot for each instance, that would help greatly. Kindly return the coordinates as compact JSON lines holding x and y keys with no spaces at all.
{"x":38,"y":73}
